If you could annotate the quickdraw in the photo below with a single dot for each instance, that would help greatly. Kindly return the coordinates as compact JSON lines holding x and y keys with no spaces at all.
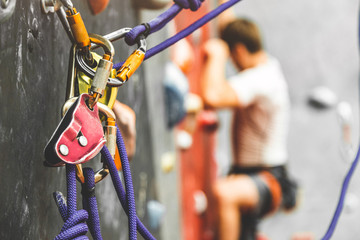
{"x":79,"y":136}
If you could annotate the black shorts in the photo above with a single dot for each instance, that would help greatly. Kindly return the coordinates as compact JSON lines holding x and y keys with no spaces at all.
{"x":266,"y":202}
{"x":276,"y":190}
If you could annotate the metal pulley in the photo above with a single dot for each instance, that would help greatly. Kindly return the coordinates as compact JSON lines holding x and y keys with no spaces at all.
{"x":79,"y":136}
{"x":110,"y":137}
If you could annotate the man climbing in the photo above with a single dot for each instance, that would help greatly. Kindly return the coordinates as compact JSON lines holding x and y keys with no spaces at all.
{"x":258,"y":96}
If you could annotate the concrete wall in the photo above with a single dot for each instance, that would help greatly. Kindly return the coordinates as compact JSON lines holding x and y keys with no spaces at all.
{"x":34,"y":51}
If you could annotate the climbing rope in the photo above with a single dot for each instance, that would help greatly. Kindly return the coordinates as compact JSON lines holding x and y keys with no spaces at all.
{"x":340,"y":204}
{"x":90,"y":204}
{"x":117,"y":182}
{"x":159,"y":22}
{"x":74,"y":221}
{"x":74,"y":224}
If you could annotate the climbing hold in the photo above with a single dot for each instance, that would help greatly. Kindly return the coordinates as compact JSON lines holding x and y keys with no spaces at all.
{"x":168,"y":160}
{"x":200,"y":201}
{"x":97,"y":6}
{"x":156,"y":212}
{"x":322,"y":98}
{"x":183,"y":140}
{"x":176,"y":88}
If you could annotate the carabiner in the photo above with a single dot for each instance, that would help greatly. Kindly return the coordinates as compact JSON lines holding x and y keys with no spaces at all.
{"x":133,"y":62}
{"x":108,"y":49}
{"x":127,"y":69}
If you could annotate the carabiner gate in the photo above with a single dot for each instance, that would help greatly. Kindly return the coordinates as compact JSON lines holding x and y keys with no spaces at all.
{"x":129,"y":67}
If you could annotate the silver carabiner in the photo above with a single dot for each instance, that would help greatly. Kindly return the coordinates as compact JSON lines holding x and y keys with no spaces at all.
{"x":130,"y":65}
{"x":100,"y":41}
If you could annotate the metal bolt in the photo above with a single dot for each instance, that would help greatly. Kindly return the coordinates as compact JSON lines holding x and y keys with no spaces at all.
{"x":67,"y":3}
{"x":83,"y":141}
{"x":46,"y":5}
{"x":64,"y":150}
{"x":5,"y":3}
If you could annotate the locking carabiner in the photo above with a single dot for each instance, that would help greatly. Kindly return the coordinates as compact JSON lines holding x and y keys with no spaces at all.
{"x":128,"y":68}
{"x":133,"y":62}
{"x":78,"y":29}
{"x":100,"y":77}
{"x":108,"y":48}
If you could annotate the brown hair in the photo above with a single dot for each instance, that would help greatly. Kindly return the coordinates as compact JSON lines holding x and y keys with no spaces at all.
{"x":242,"y":31}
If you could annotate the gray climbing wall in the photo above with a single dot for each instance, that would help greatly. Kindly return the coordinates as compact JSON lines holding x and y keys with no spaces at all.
{"x":34,"y":52}
{"x":316,"y":42}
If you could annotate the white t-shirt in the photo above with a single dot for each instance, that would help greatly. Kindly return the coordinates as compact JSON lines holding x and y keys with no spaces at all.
{"x":260,"y":125}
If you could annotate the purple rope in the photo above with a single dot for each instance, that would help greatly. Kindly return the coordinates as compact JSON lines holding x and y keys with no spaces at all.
{"x":128,"y":185}
{"x":180,"y":35}
{"x":192,"y":4}
{"x":159,"y":22}
{"x":190,"y":29}
{"x":74,"y":226}
{"x":71,"y":189}
{"x":340,"y":204}
{"x":61,"y":204}
{"x":118,"y":185}
{"x":155,"y":24}
{"x":90,"y":204}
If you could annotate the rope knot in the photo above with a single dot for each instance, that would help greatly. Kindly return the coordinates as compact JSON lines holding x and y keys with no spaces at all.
{"x":192,"y":4}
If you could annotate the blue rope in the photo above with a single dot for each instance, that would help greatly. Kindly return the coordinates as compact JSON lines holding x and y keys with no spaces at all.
{"x":109,"y":161}
{"x":340,"y":204}
{"x":154,"y":25}
{"x":74,"y":226}
{"x":159,"y":22}
{"x":90,"y":204}
{"x":180,"y":35}
{"x":130,"y":198}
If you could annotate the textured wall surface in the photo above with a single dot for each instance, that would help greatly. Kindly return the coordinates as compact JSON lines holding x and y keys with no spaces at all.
{"x":34,"y":51}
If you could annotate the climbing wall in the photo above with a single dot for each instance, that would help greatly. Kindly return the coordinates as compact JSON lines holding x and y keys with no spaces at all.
{"x":198,"y":166}
{"x":316,"y":43}
{"x":34,"y":55}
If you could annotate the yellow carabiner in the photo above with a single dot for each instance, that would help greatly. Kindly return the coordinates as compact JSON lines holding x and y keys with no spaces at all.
{"x":131,"y":65}
{"x":84,"y":84}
